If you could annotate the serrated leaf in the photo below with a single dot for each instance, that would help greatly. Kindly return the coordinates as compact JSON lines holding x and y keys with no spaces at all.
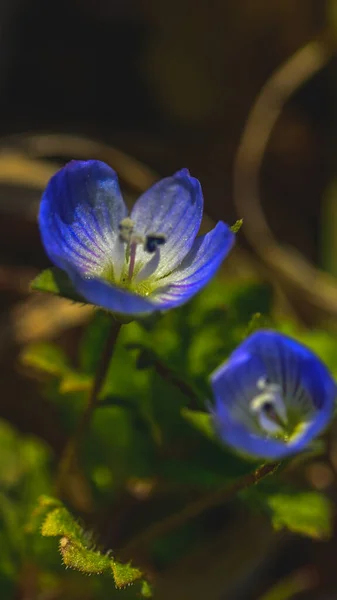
{"x":125,"y":574}
{"x":201,"y":421}
{"x":45,"y":357}
{"x":45,"y":504}
{"x":59,"y":522}
{"x":55,"y":281}
{"x":77,"y":549}
{"x":306,"y":513}
{"x":82,"y":559}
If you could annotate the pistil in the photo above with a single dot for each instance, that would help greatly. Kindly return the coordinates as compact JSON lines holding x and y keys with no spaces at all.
{"x":269,"y":407}
{"x":131,"y":253}
{"x":132,"y":239}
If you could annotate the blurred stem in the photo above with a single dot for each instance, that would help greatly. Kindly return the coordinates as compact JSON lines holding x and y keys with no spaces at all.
{"x":68,"y":460}
{"x":186,"y":388}
{"x":196,"y":508}
{"x":310,"y":292}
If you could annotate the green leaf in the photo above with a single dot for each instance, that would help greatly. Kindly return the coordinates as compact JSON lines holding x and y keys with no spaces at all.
{"x":73,"y":381}
{"x":258,"y":321}
{"x":306,"y":513}
{"x":45,"y":357}
{"x":82,"y":559}
{"x":237,"y":226}
{"x":201,"y":421}
{"x":51,"y":360}
{"x":39,"y":514}
{"x":146,"y":590}
{"x":59,"y":522}
{"x":77,"y":550}
{"x":55,"y":281}
{"x":125,"y":574}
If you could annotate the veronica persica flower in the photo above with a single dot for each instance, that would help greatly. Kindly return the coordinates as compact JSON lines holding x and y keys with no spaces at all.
{"x":272,"y":396}
{"x":150,"y":260}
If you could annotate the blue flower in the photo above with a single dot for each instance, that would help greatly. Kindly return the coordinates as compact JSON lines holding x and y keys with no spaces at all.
{"x":272,"y":396}
{"x":148,"y":261}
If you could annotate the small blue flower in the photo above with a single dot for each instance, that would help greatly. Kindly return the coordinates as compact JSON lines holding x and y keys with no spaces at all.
{"x":149,"y":261}
{"x":272,"y":396}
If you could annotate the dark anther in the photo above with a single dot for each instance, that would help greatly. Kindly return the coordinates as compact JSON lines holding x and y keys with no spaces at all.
{"x":268,"y":407}
{"x":153,"y":241}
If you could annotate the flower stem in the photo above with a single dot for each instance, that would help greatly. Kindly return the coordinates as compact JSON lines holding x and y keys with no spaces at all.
{"x":186,"y":388}
{"x":68,"y":460}
{"x":196,"y":508}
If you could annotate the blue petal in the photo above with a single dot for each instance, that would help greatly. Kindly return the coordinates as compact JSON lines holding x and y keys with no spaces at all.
{"x":80,"y":211}
{"x":172,"y":206}
{"x":295,"y":368}
{"x":197,"y":268}
{"x":111,"y":297}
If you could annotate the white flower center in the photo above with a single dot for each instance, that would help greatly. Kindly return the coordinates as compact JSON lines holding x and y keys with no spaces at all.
{"x":150,"y":242}
{"x":269,"y":407}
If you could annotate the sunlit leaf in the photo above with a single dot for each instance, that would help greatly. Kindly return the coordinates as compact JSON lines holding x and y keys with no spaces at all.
{"x":45,"y":357}
{"x":125,"y":574}
{"x":82,"y":559}
{"x":237,"y":226}
{"x":307,"y":513}
{"x":55,"y":281}
{"x":59,"y":522}
{"x":201,"y":421}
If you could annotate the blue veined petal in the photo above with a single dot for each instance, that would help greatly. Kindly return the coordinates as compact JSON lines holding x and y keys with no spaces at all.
{"x":80,"y":211}
{"x":198,"y":267}
{"x":111,"y":297}
{"x":172,"y":206}
{"x":306,"y":385}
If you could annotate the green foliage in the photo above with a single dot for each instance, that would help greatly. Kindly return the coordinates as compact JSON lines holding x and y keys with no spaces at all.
{"x":77,"y":548}
{"x":237,"y":226}
{"x":47,"y":358}
{"x":50,"y":360}
{"x":200,"y":420}
{"x":55,"y":281}
{"x":151,"y":447}
{"x":125,"y":575}
{"x":306,"y":513}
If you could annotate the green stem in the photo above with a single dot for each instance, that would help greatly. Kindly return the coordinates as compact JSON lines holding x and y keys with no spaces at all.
{"x":187,"y":389}
{"x":69,"y":458}
{"x":196,"y":508}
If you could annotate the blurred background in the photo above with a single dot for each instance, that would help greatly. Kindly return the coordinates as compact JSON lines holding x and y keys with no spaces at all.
{"x":153,"y":86}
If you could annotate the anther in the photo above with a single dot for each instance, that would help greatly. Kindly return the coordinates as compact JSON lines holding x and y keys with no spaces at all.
{"x":263,"y":382}
{"x":153,"y":240}
{"x":126,"y":228}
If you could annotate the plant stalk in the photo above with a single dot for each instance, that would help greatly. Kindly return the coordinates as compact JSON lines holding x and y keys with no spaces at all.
{"x":69,"y":459}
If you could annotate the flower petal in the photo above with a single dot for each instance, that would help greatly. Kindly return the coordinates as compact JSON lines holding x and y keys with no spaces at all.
{"x":111,"y":297}
{"x":197,"y":268}
{"x":173,"y":207}
{"x":80,"y":211}
{"x":305,"y":382}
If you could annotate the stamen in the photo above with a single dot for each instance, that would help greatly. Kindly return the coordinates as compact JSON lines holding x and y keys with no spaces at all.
{"x":150,"y":243}
{"x":269,"y":407}
{"x":153,"y":240}
{"x":126,"y":228}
